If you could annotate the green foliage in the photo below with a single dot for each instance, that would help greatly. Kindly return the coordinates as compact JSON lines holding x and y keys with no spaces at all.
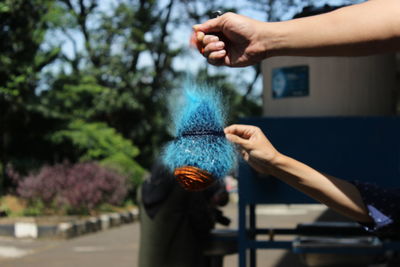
{"x":114,"y":45}
{"x":108,"y":91}
{"x":73,"y":97}
{"x":97,"y":141}
{"x":5,"y":208}
{"x":127,"y":166}
{"x":108,"y":83}
{"x":35,"y":208}
{"x":23,"y":25}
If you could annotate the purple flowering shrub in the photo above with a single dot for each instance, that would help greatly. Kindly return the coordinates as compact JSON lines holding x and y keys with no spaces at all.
{"x":78,"y":188}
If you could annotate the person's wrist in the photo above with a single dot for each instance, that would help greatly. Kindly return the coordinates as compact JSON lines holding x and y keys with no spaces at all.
{"x":277,"y":162}
{"x":272,"y":38}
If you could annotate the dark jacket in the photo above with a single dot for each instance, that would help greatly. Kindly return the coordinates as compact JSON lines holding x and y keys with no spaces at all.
{"x":174,"y":223}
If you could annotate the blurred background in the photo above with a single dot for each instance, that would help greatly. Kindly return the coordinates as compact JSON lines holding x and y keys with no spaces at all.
{"x":84,"y":83}
{"x":88,"y":80}
{"x":84,"y":80}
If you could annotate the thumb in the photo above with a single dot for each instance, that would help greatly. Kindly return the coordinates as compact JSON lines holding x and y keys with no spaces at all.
{"x":244,"y":143}
{"x":212,"y":25}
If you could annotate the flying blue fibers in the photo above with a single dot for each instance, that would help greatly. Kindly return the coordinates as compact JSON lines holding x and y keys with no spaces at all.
{"x":198,"y":128}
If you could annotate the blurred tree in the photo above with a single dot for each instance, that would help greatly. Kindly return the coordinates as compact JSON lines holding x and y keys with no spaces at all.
{"x":118,"y":70}
{"x":130,"y":97}
{"x":23,"y":25}
{"x":129,"y":53}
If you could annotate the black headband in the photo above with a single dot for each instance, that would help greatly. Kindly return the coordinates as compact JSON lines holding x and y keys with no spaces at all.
{"x":197,"y":133}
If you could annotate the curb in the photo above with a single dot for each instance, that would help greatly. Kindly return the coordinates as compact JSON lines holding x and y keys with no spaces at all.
{"x":65,"y":230}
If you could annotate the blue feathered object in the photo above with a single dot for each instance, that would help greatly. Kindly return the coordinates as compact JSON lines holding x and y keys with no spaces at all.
{"x":199,"y":138}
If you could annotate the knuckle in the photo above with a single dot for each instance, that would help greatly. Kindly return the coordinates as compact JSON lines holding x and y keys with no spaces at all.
{"x":214,"y":55}
{"x":206,"y":39}
{"x":209,"y":39}
{"x":227,"y":14}
{"x":208,"y":49}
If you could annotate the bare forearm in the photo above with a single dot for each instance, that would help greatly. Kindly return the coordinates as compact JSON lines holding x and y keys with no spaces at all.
{"x":362,"y":29}
{"x":338,"y":194}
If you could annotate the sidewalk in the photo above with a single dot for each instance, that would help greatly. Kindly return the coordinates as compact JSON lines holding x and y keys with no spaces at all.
{"x":118,"y":247}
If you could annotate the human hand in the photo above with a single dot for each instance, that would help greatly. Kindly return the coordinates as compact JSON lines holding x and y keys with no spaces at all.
{"x":254,"y":146}
{"x":231,"y":40}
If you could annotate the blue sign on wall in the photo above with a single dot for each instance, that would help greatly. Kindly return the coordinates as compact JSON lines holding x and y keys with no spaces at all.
{"x":290,"y":82}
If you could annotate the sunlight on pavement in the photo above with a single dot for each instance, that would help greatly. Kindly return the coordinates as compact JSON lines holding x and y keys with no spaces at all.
{"x":13,"y":252}
{"x":88,"y":249}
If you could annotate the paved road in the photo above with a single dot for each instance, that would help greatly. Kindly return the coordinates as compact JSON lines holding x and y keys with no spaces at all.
{"x":112,"y":248}
{"x":118,"y":247}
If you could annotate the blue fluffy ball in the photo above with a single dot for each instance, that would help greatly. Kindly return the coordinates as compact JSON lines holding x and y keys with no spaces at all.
{"x":199,"y":141}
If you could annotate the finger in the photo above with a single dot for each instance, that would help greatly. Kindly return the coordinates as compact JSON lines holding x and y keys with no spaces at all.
{"x":197,"y":40}
{"x":217,"y":55}
{"x":200,"y":36}
{"x":244,"y":143}
{"x":244,"y":131}
{"x":210,"y":39}
{"x":245,"y":155}
{"x":213,"y":47}
{"x":195,"y":43}
{"x":229,"y":63}
{"x":216,"y":61}
{"x":212,"y":25}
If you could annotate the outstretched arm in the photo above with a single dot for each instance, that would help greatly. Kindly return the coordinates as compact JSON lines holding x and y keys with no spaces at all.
{"x":337,"y":194}
{"x":362,"y":29}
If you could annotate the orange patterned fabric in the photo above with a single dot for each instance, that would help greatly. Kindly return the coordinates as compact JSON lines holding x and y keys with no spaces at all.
{"x":193,"y":178}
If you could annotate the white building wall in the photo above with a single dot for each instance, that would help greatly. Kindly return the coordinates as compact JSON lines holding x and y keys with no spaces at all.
{"x":338,"y":86}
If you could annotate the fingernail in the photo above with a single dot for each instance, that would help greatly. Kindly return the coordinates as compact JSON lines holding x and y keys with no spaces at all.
{"x":195,"y":27}
{"x":200,"y":36}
